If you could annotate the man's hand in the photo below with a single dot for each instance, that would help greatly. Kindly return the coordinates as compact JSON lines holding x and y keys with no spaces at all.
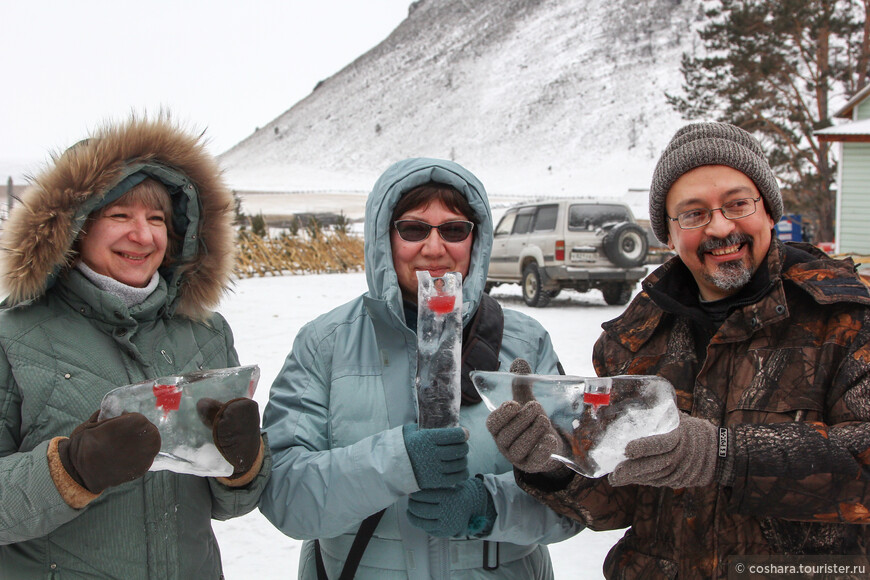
{"x":685,"y":457}
{"x":525,"y":436}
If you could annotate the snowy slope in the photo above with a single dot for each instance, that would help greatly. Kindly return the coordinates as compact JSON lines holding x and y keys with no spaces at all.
{"x":538,"y":97}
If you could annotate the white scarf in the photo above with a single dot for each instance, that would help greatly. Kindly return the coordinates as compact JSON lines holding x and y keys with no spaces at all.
{"x":129,"y":295}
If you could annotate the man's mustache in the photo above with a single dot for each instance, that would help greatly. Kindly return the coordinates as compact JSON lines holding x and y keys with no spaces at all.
{"x":711,"y":244}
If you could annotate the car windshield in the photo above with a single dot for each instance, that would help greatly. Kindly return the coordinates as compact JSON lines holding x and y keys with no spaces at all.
{"x":591,"y":216}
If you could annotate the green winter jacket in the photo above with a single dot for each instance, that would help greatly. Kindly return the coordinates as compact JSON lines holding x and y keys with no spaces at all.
{"x":64,"y":343}
{"x":337,"y":408}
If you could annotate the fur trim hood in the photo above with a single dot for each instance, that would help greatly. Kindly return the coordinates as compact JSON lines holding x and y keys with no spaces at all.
{"x":36,"y":245}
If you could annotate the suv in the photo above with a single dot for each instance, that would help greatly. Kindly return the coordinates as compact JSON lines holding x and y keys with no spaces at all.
{"x":548,"y":246}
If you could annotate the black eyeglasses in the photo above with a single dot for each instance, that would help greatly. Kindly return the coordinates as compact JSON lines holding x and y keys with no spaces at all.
{"x":417,"y":231}
{"x":733,"y":210}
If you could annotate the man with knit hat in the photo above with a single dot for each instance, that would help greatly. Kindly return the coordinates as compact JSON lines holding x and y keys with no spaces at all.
{"x":768,"y":347}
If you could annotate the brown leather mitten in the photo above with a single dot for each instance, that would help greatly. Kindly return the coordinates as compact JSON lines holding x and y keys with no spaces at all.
{"x":235,"y":429}
{"x":685,"y":457}
{"x":101,"y":454}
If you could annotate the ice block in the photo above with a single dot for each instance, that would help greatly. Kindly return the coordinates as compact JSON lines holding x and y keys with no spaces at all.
{"x":170,"y":403}
{"x":439,"y":349}
{"x":598,"y":416}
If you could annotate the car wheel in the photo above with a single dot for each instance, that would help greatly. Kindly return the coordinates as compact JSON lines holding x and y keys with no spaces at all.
{"x":617,"y":294}
{"x":626,"y":245}
{"x":533,"y":295}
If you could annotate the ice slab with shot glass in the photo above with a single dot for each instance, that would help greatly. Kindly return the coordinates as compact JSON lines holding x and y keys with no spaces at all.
{"x":439,"y":349}
{"x":598,"y":416}
{"x":186,"y":443}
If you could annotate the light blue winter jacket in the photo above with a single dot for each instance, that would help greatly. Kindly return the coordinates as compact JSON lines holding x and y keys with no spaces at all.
{"x":335,"y":415}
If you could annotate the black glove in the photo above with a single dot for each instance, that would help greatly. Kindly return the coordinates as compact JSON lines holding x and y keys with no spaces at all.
{"x":101,"y":454}
{"x":235,"y":427}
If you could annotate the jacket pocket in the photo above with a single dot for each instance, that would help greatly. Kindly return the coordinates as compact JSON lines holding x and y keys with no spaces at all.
{"x":775,"y":386}
{"x":357,"y":408}
{"x":628,"y":564}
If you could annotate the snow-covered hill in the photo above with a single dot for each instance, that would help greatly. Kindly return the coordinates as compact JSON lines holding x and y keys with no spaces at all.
{"x":538,"y":97}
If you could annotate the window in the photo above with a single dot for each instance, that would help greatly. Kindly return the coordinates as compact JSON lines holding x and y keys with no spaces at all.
{"x":545,"y":219}
{"x":593,"y":216}
{"x":524,"y":220}
{"x":506,"y":224}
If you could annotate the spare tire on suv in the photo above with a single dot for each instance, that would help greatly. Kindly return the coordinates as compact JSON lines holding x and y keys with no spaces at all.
{"x":626,"y":245}
{"x":568,"y":244}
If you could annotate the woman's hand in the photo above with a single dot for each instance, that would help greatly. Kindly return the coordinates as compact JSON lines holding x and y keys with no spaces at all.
{"x":466,"y":509}
{"x":438,"y":456}
{"x":235,"y":429}
{"x":102,"y":454}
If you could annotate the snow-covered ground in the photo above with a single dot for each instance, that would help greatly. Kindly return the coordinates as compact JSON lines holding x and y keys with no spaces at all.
{"x":266,"y":313}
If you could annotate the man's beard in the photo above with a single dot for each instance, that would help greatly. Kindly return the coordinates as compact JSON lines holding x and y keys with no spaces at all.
{"x":729,"y":276}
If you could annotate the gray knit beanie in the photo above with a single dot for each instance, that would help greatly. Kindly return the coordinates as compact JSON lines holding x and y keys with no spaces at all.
{"x":710,"y":144}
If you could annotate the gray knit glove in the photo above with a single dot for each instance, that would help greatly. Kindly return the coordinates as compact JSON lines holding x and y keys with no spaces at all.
{"x":685,"y":457}
{"x":525,"y":436}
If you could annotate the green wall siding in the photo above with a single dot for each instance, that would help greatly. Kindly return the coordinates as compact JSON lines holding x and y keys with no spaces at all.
{"x":855,"y":198}
{"x":862,"y":110}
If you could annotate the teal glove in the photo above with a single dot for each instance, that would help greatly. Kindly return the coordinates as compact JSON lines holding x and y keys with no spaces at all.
{"x":438,"y":456}
{"x":466,"y":509}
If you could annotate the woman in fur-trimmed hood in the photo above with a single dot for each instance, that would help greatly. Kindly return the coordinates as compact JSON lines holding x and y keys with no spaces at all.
{"x":112,"y":263}
{"x":37,"y":241}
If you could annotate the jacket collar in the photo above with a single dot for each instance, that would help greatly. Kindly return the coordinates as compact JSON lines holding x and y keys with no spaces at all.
{"x":671,"y":291}
{"x":106,"y":308}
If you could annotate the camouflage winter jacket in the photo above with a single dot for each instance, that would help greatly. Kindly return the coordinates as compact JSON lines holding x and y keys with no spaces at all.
{"x":787,"y":373}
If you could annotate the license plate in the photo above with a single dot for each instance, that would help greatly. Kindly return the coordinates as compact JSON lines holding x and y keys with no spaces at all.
{"x":583,"y":255}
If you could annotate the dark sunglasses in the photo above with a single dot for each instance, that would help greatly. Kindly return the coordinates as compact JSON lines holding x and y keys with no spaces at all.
{"x":417,"y":231}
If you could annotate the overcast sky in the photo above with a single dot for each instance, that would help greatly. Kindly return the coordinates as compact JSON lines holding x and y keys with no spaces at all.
{"x":226,"y":66}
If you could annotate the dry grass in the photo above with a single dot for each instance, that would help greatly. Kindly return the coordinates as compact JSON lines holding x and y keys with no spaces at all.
{"x":326,"y":252}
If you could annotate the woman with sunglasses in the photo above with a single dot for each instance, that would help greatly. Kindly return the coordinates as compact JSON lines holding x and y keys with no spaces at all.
{"x":341,"y":419}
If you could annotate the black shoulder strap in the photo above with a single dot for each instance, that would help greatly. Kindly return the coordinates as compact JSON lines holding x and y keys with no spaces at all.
{"x":363,"y":535}
{"x":481,"y":343}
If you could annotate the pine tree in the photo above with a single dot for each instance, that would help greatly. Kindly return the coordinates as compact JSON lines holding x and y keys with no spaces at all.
{"x":258,"y":225}
{"x":773,"y":67}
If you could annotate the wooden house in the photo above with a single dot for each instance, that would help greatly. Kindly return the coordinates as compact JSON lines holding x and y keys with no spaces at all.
{"x":852,"y":228}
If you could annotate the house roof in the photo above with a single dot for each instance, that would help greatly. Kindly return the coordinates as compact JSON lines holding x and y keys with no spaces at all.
{"x":858,"y":131}
{"x":846,"y":110}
